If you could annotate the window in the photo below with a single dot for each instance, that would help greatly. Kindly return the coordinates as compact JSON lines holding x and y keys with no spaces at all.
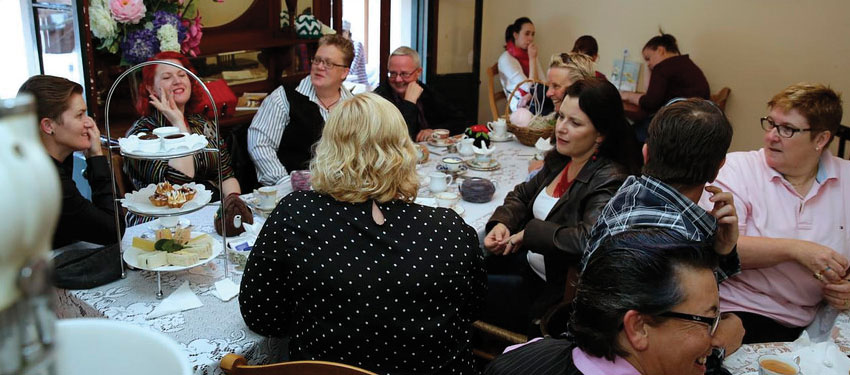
{"x":44,"y":37}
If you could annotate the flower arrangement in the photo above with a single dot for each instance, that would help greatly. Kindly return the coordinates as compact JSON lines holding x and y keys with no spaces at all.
{"x":139,"y":29}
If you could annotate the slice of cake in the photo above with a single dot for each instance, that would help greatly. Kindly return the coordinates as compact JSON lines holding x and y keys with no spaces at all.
{"x":143,"y":244}
{"x":183,"y":258}
{"x":204,"y":250}
{"x":152,"y":259}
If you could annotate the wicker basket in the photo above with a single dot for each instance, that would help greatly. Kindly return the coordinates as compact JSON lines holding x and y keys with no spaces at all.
{"x":525,"y":135}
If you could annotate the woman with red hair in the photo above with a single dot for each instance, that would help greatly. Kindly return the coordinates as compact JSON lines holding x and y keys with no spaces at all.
{"x":169,"y":97}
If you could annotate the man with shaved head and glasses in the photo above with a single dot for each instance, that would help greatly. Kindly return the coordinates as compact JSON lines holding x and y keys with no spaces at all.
{"x":793,"y":200}
{"x":423,"y":108}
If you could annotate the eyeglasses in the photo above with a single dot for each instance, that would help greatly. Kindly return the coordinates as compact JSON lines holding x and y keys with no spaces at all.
{"x":322,"y":63}
{"x":404,"y":75}
{"x":712,"y":322}
{"x":784,"y":131}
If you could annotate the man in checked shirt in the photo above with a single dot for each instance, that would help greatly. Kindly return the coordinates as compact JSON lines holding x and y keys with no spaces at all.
{"x":685,"y":148}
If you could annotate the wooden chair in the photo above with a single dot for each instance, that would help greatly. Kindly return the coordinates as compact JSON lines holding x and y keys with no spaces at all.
{"x":235,"y":364}
{"x":489,"y":341}
{"x":720,"y":98}
{"x":494,"y":93}
{"x":843,"y":136}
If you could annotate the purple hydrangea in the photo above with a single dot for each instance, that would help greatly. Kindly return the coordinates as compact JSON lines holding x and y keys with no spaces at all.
{"x":139,"y":45}
{"x":162,"y":17}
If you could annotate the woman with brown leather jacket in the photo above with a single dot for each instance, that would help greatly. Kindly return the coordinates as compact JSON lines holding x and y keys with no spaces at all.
{"x":549,"y":217}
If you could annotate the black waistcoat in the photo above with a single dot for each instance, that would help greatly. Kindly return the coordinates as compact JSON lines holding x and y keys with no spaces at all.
{"x":304,"y":130}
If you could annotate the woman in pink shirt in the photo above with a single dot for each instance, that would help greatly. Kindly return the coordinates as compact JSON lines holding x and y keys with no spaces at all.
{"x":791,"y":199}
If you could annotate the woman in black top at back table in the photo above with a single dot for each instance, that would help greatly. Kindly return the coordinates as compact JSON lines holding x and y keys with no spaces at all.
{"x":64,"y":127}
{"x":354,"y":271}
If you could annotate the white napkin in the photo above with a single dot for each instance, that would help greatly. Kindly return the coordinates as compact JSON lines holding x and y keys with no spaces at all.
{"x":252,"y":229}
{"x":823,"y":358}
{"x":543,"y":144}
{"x":225,"y":290}
{"x":181,"y":299}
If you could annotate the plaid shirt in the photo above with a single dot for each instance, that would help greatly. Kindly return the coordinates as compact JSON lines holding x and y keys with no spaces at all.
{"x":646,"y":202}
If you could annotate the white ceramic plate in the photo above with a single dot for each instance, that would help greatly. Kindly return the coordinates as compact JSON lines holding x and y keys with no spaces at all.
{"x":491,"y":166}
{"x":507,"y":137}
{"x":139,"y":202}
{"x":131,"y":255}
{"x":432,"y":202}
{"x":192,"y":143}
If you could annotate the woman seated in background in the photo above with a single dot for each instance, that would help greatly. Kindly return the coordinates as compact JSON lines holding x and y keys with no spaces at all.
{"x":65,"y":127}
{"x":551,"y":214}
{"x":169,"y":97}
{"x":519,"y":61}
{"x":354,"y":271}
{"x":792,"y":200}
{"x":672,"y":75}
{"x":587,"y":45}
{"x":646,"y":304}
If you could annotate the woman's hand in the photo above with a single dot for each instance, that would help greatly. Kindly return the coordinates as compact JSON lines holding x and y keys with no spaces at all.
{"x":94,"y":138}
{"x":826,"y":265}
{"x":727,"y":220}
{"x":497,"y":239}
{"x":837,"y":294}
{"x":164,"y":103}
{"x":514,"y":243}
{"x":532,"y":52}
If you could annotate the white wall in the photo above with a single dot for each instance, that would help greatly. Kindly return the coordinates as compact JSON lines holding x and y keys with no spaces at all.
{"x":756,"y":47}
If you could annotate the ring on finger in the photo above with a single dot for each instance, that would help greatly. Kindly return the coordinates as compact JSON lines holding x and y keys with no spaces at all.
{"x":826,"y":269}
{"x":818,"y":276}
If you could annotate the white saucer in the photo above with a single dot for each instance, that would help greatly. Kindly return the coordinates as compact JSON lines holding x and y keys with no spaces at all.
{"x":156,"y":225}
{"x":505,"y":138}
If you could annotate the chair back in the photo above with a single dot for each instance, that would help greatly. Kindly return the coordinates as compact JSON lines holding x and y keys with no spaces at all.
{"x":720,"y":98}
{"x":235,"y":364}
{"x":495,"y":94}
{"x":843,"y":136}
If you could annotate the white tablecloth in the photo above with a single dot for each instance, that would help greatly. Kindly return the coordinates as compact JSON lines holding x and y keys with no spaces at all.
{"x":745,"y":360}
{"x":209,"y":332}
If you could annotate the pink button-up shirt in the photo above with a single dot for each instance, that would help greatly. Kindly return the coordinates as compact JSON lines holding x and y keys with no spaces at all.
{"x":768,"y":206}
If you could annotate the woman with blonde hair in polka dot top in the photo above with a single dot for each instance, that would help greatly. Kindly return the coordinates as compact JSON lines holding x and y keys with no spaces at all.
{"x":353,"y":271}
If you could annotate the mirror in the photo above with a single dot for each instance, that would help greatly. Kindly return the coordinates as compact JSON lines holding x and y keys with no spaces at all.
{"x":217,"y":14}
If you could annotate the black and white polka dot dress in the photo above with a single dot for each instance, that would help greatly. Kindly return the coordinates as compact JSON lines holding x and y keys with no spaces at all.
{"x":396,"y":299}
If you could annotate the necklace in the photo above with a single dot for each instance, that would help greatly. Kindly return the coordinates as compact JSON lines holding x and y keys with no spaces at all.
{"x":331,"y":105}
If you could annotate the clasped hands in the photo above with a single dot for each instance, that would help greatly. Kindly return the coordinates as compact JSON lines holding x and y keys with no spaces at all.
{"x":500,"y":241}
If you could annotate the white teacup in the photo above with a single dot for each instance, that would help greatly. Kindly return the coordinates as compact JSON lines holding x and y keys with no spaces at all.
{"x":498,"y":128}
{"x":266,"y":197}
{"x":169,"y":221}
{"x":152,"y":144}
{"x":440,"y":134}
{"x":452,"y":163}
{"x":166,"y":130}
{"x":777,"y":365}
{"x":439,"y":182}
{"x":446,"y":199}
{"x":175,"y":140}
{"x":483,"y":159}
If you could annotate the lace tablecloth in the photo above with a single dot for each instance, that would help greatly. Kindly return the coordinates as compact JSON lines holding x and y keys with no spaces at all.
{"x":513,"y":157}
{"x":206,"y":333}
{"x":215,"y":329}
{"x":745,"y":360}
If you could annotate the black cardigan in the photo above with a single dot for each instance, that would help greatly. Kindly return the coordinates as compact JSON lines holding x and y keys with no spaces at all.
{"x":431,"y":107}
{"x":81,"y":219}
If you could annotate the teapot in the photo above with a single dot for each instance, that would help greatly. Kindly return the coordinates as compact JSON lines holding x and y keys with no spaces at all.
{"x":477,"y":190}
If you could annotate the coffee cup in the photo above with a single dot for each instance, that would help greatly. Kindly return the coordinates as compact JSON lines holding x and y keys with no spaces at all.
{"x":169,"y":221}
{"x":149,"y":143}
{"x":439,"y":182}
{"x":483,"y":159}
{"x":173,"y":141}
{"x":266,"y":197}
{"x":446,"y":199}
{"x":440,"y":135}
{"x":452,"y":163}
{"x":498,"y":128}
{"x":777,"y":365}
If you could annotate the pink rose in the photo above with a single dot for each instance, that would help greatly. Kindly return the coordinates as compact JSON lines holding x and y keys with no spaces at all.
{"x":193,"y":37}
{"x":127,"y":11}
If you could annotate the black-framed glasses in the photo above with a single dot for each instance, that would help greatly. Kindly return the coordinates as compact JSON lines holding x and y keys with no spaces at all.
{"x":711,"y":322}
{"x":784,"y":131}
{"x":322,"y":63}
{"x":403,"y":75}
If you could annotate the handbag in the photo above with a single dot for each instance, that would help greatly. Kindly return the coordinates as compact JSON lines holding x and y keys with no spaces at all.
{"x":225,"y":100}
{"x":87,"y":268}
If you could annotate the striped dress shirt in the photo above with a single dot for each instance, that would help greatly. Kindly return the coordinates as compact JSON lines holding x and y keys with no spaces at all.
{"x":266,"y":130}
